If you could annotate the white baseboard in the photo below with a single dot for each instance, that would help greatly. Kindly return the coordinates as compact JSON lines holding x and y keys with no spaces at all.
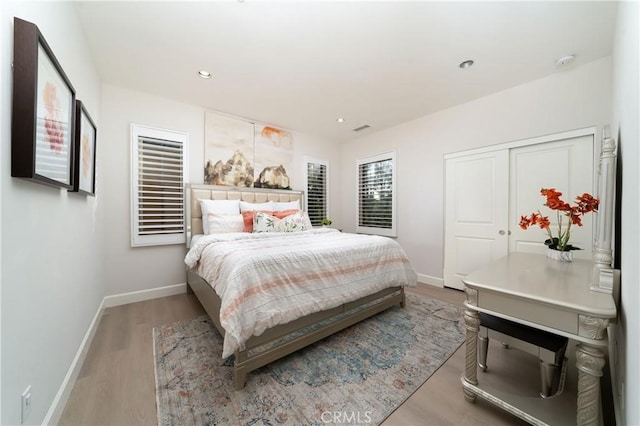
{"x":142,"y":295}
{"x":434,"y":281}
{"x":61,"y":398}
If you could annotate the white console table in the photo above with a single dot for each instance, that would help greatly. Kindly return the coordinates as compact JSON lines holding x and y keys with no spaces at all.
{"x":549,"y":295}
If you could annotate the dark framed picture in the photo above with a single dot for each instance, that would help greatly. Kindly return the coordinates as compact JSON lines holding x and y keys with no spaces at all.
{"x":84,"y":169}
{"x":42,"y":128}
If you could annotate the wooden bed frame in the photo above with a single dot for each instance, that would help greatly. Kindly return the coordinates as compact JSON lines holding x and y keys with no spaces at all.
{"x":281,"y":340}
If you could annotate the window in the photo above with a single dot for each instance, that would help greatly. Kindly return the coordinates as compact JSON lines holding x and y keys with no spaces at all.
{"x":158,"y":175}
{"x":377,"y":195}
{"x":317,"y":178}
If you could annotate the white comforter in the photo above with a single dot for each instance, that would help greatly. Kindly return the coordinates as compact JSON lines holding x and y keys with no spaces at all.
{"x":268,"y":279}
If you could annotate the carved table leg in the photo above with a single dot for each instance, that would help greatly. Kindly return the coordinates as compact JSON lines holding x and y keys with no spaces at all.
{"x":589,"y":361}
{"x":472,"y":324}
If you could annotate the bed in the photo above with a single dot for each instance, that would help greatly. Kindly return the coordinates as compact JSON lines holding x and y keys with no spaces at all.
{"x":310,"y":269}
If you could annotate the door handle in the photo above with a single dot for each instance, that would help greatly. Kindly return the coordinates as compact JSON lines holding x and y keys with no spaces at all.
{"x":501,"y":232}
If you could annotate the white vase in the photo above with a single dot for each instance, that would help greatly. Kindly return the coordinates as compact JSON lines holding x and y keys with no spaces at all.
{"x":560,"y":256}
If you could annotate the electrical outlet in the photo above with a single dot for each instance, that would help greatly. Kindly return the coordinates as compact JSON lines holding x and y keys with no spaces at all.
{"x":26,"y":404}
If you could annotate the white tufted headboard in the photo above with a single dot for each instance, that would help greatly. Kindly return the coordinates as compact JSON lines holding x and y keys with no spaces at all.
{"x":195,"y":192}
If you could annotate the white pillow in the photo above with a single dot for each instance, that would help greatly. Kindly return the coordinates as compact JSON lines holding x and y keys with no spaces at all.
{"x":307,"y":221}
{"x":263,"y":222}
{"x":245,"y":206}
{"x":224,"y":223}
{"x":291,"y":205}
{"x":217,"y":206}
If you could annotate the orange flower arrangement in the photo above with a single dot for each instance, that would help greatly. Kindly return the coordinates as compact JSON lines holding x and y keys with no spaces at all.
{"x":584,"y":204}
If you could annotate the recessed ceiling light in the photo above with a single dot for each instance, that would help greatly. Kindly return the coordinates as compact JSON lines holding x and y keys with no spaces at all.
{"x":340,"y":120}
{"x":565,"y":60}
{"x":204,"y":74}
{"x":466,"y":64}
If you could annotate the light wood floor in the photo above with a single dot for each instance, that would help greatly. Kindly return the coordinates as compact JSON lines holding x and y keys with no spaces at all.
{"x":116,"y":385}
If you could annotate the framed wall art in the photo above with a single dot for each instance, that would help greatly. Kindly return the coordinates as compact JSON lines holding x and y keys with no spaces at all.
{"x":273,"y":151}
{"x":241,"y":153}
{"x":228,"y":151}
{"x":84,"y":168}
{"x":42,"y":130}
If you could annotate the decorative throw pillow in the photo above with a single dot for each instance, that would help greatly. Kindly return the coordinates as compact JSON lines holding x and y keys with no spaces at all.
{"x":284,"y":213}
{"x":264,"y":222}
{"x":219,"y":207}
{"x":248,"y":217}
{"x":224,"y":223}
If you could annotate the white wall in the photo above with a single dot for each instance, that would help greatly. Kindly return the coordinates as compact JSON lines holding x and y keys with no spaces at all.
{"x":571,"y":99}
{"x":624,"y":125}
{"x":52,"y":267}
{"x":2,"y":172}
{"x":142,"y":268}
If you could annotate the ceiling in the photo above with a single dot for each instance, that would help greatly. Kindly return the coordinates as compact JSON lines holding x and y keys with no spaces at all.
{"x":301,"y":65}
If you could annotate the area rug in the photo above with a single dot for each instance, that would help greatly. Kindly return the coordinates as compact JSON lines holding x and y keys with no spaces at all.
{"x":359,"y":375}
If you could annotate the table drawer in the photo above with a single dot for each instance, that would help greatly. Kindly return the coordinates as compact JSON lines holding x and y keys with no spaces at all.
{"x":531,"y":311}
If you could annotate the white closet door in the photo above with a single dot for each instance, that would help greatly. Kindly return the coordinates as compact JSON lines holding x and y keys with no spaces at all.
{"x":476,"y":210}
{"x":567,"y":166}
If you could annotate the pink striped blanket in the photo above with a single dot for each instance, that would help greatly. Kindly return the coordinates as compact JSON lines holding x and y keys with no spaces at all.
{"x":266,"y":279}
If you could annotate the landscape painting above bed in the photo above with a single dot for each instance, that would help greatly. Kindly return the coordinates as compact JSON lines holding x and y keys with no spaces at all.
{"x":240,"y":153}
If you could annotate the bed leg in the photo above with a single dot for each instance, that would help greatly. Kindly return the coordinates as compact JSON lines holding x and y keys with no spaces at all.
{"x":239,"y":371}
{"x":239,"y":379}
{"x":403,"y":302}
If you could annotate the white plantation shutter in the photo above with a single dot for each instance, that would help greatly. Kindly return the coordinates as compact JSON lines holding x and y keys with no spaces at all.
{"x":158,"y":178}
{"x":377,"y":195}
{"x":317,"y":172}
